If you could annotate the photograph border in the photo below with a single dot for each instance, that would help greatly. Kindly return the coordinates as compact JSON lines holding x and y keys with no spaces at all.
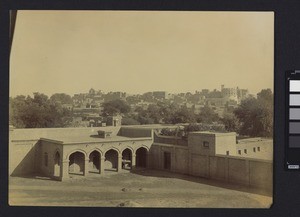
{"x":286,"y":56}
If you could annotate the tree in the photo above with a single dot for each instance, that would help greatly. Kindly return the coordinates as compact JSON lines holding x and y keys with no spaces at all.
{"x":231,"y":122}
{"x":207,"y":115}
{"x":129,"y":121}
{"x":183,"y":115}
{"x":154,"y":113}
{"x":256,"y":115}
{"x":115,"y":107}
{"x":37,"y":112}
{"x":61,"y":98}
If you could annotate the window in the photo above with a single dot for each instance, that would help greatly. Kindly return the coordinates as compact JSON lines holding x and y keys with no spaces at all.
{"x":240,"y":152}
{"x":258,"y":148}
{"x":205,"y":144}
{"x":46,"y":159}
{"x":245,"y":151}
{"x":254,"y":149}
{"x":227,"y":152}
{"x":57,"y":158}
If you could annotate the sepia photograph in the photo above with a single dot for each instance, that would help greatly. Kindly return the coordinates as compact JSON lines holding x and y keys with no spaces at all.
{"x":169,"y":109}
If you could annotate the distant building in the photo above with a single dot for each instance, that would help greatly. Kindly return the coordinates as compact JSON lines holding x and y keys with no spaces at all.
{"x":229,"y":93}
{"x":115,"y":95}
{"x":160,"y":95}
{"x":235,"y":94}
{"x":114,"y":120}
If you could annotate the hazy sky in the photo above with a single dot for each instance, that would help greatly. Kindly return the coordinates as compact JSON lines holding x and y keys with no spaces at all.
{"x":135,"y":51}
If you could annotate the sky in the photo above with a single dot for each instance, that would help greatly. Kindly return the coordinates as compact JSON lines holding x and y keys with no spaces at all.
{"x":140,"y":51}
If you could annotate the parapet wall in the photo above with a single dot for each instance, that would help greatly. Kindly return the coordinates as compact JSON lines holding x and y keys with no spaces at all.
{"x":135,"y":132}
{"x":242,"y":171}
{"x":173,"y":140}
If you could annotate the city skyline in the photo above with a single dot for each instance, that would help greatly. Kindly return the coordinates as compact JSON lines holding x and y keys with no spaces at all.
{"x":140,"y":93}
{"x":137,"y":52}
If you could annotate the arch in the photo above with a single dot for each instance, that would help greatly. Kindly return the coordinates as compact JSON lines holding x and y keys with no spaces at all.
{"x":127,"y":158}
{"x":111,"y":148}
{"x":111,"y":160}
{"x":141,"y":157}
{"x":77,"y":163}
{"x":142,"y":146}
{"x":54,"y":153}
{"x":94,"y":161}
{"x":77,"y":150}
{"x":57,"y":162}
{"x":128,"y":147}
{"x":95,"y":149}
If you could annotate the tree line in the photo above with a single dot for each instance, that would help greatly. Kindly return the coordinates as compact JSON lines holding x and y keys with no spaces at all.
{"x":253,"y":117}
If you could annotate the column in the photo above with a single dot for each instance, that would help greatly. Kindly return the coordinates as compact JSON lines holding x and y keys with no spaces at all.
{"x":133,"y":161}
{"x":86,"y":166}
{"x":64,"y":170}
{"x":119,"y":162}
{"x":102,"y":159}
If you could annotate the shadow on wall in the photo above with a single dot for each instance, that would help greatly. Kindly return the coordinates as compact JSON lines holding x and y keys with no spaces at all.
{"x":201,"y":180}
{"x":26,"y":164}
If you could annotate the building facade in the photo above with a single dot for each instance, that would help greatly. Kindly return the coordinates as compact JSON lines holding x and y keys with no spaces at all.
{"x":66,"y":152}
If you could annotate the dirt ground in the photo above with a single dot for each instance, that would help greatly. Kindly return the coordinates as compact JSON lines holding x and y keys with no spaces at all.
{"x":143,"y":188}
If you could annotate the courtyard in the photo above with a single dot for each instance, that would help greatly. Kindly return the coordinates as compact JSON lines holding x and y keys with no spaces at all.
{"x":139,"y":188}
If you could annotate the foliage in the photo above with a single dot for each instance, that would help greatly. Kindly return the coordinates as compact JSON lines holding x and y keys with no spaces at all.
{"x":231,"y":122}
{"x":37,"y":112}
{"x":207,"y":115}
{"x":168,"y":132}
{"x":256,"y":115}
{"x":115,"y":107}
{"x":61,"y":98}
{"x":183,"y":115}
{"x":129,"y":121}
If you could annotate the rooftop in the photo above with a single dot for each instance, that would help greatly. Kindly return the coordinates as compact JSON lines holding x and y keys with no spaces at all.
{"x":212,"y":133}
{"x":69,"y":135}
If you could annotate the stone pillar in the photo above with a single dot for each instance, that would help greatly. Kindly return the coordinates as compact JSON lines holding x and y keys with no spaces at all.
{"x":133,"y":161}
{"x":86,"y":166}
{"x":119,"y":162}
{"x":102,"y":159}
{"x":64,"y":170}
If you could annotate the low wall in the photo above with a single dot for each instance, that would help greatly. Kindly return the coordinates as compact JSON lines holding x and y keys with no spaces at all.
{"x":170,"y":140}
{"x":133,"y":132}
{"x":242,"y":171}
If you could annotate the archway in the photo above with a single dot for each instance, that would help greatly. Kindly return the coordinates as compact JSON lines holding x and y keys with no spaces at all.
{"x":57,"y":164}
{"x":111,"y":160}
{"x":76,"y":163}
{"x":94,"y":162}
{"x":141,"y":157}
{"x":127,"y":159}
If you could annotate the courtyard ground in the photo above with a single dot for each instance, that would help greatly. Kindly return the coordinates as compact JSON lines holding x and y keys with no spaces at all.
{"x":142,"y":188}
